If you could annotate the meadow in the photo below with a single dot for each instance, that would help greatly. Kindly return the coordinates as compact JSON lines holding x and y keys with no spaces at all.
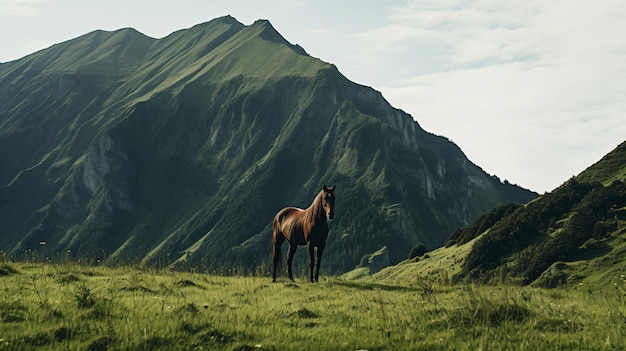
{"x":69,"y":306}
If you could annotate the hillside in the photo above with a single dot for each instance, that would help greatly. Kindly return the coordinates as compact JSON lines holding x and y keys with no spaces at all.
{"x":180,"y":151}
{"x":574,"y":234}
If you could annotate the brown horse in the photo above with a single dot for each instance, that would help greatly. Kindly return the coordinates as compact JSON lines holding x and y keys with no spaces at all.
{"x":304,"y":227}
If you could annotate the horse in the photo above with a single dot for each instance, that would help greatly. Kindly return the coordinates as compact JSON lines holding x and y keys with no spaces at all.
{"x":303,"y":227}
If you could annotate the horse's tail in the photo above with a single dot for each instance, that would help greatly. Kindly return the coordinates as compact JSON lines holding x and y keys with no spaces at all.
{"x":275,"y":253}
{"x":277,"y":241}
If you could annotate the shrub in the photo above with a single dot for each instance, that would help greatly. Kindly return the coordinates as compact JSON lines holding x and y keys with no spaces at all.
{"x":418,"y":251}
{"x":84,"y":297}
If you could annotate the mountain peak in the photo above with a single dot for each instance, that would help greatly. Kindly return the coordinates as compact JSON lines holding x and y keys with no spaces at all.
{"x":267,"y":31}
{"x":227,"y":20}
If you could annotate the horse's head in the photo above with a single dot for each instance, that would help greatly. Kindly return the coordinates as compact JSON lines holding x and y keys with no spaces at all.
{"x":328,"y":201}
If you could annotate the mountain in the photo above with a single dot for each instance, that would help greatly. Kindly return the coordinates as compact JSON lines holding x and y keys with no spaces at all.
{"x":180,"y":150}
{"x":575,"y":233}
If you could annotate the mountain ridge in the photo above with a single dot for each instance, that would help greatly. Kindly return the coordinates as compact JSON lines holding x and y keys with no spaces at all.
{"x":181,"y":150}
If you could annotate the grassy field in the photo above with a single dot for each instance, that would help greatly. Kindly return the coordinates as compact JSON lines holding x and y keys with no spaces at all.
{"x":47,"y":306}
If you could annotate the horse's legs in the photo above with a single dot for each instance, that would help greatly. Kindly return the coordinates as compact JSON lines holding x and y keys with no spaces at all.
{"x":276,"y":256}
{"x":311,"y":249}
{"x":290,"y":254}
{"x":320,"y":250}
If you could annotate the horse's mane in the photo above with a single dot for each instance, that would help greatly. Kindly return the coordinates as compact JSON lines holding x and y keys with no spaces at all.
{"x":315,"y":210}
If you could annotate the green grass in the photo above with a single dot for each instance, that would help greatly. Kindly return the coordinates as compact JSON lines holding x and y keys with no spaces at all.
{"x":74,"y":307}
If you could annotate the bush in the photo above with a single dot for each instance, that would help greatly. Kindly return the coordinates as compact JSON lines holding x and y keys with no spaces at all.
{"x":418,"y":251}
{"x":84,"y":297}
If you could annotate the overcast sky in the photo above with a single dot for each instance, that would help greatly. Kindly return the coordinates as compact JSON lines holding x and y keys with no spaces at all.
{"x":533,"y":91}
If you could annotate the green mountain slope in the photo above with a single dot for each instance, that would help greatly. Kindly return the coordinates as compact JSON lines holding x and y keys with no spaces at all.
{"x":180,"y":151}
{"x":576,"y":232}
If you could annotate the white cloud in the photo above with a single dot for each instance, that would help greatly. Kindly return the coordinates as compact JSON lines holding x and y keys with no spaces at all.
{"x":30,"y":45}
{"x":532,"y":91}
{"x":473,"y":32}
{"x":18,"y":8}
{"x":532,"y":126}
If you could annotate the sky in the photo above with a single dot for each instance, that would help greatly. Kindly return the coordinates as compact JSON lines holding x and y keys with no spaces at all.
{"x":532,"y":91}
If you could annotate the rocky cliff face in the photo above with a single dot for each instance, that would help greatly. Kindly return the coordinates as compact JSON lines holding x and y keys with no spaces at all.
{"x":181,"y":150}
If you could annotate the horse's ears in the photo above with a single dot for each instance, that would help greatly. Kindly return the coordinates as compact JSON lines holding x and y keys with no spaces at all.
{"x":327,"y":189}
